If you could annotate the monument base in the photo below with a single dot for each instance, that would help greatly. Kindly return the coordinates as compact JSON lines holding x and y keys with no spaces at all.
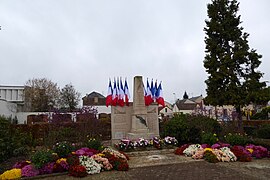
{"x":136,"y":136}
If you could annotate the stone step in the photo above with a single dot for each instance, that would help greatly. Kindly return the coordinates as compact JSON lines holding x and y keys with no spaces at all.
{"x":149,"y":152}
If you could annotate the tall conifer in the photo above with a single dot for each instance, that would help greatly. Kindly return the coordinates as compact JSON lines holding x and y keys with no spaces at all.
{"x":230,"y":63}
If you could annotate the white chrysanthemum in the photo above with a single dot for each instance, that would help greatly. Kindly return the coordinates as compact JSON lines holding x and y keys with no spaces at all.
{"x":192,"y":149}
{"x":229,"y":153}
{"x":92,"y":167}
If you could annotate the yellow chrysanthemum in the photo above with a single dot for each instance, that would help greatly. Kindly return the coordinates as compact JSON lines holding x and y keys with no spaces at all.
{"x":28,"y":162}
{"x":250,"y":150}
{"x":208,"y":149}
{"x":12,"y":174}
{"x":60,"y":160}
{"x":101,"y":155}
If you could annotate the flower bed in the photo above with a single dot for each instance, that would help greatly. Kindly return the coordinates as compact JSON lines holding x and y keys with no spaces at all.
{"x":79,"y":163}
{"x":145,"y":144}
{"x":221,"y":152}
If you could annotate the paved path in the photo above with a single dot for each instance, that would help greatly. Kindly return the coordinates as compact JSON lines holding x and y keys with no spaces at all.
{"x":161,"y":165}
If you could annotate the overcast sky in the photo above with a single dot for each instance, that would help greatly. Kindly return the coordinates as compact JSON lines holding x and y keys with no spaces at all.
{"x":86,"y":42}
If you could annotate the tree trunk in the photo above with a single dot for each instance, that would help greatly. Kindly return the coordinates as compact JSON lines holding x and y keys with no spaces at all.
{"x":239,"y":118}
{"x":216,"y":113}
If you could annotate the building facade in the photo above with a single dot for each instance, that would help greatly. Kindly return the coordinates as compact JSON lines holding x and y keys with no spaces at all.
{"x":11,"y":100}
{"x":97,"y":101}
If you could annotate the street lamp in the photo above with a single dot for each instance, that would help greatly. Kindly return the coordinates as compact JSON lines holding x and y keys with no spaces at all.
{"x":174,"y":97}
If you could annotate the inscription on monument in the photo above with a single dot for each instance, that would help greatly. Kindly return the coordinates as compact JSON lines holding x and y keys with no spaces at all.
{"x":119,"y":111}
{"x":119,"y":119}
{"x":119,"y":135}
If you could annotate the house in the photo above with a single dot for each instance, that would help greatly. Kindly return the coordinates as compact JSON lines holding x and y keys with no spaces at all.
{"x":11,"y":100}
{"x":97,"y":101}
{"x":188,"y":105}
{"x":166,"y":111}
{"x":13,"y":94}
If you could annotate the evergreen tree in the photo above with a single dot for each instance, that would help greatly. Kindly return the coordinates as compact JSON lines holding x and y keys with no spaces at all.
{"x":69,"y":97}
{"x":231,"y":64}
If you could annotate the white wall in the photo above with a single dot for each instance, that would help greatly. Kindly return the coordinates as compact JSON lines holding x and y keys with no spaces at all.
{"x":12,"y":93}
{"x":8,"y":109}
{"x":22,"y":116}
{"x":168,"y":113}
{"x":103,"y":109}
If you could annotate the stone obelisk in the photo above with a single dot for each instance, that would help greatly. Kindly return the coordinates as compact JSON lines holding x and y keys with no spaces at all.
{"x":139,"y":124}
{"x":136,"y":120}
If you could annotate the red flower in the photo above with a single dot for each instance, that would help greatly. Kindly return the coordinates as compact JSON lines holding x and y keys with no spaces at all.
{"x":242,"y":154}
{"x":77,"y":171}
{"x":179,"y":151}
{"x":124,"y":154}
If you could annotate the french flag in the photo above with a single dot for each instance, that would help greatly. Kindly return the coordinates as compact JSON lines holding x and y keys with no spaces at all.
{"x":148,"y":95}
{"x":109,"y":94}
{"x":121,"y":94}
{"x":159,"y":96}
{"x":153,"y":91}
{"x":115,"y":94}
{"x":126,"y":91}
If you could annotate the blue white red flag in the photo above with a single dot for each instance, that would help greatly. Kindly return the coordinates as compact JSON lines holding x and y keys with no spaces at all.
{"x":148,"y":97}
{"x":115,"y":94}
{"x":159,"y":95}
{"x":121,"y":95}
{"x":126,"y":91}
{"x":153,"y":91}
{"x":109,"y":94}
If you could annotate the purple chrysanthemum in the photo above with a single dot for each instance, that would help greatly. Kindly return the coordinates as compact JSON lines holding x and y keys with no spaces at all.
{"x":29,"y":171}
{"x":47,"y":169}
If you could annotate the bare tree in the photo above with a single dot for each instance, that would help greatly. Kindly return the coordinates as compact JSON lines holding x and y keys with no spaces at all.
{"x":41,"y":94}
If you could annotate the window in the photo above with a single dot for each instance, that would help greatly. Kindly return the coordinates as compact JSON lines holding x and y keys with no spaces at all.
{"x":95,"y":99}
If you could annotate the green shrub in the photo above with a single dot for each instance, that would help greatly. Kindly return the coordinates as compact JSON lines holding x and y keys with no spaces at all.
{"x":176,"y":127}
{"x":189,"y":128}
{"x":21,"y":151}
{"x":236,"y":139}
{"x":42,"y":157}
{"x":94,"y":143}
{"x":249,"y":130}
{"x":262,"y":115}
{"x":63,"y":149}
{"x":58,"y":133}
{"x":67,"y":133}
{"x":209,"y":138}
{"x":204,"y":123}
{"x":6,"y":140}
{"x":12,"y":142}
{"x":263,"y":131}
